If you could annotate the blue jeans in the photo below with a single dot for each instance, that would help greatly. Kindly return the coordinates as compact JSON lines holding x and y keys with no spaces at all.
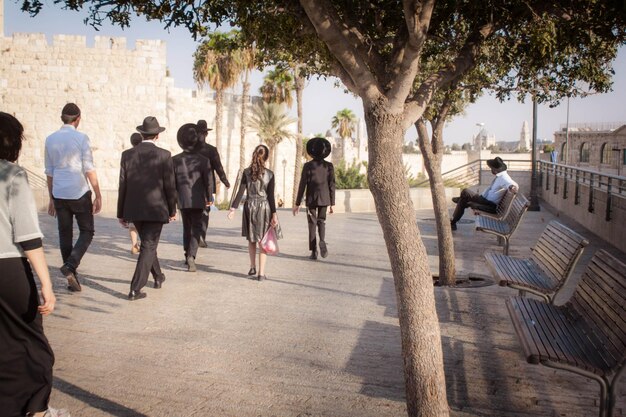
{"x":66,"y":210}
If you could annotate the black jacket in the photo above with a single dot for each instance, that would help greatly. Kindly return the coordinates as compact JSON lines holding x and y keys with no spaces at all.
{"x":192,"y":172}
{"x":318,"y":178}
{"x":210,"y":152}
{"x":147,"y":190}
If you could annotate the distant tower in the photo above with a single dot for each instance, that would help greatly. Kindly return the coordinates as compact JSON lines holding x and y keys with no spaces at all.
{"x":524,"y":137}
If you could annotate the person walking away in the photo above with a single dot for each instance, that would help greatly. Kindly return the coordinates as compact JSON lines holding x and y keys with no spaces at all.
{"x":192,"y":172}
{"x":259,"y":210}
{"x":70,"y":171}
{"x":318,"y":180}
{"x":209,"y":151}
{"x":146,"y":197}
{"x":26,"y":358}
{"x":490,"y":197}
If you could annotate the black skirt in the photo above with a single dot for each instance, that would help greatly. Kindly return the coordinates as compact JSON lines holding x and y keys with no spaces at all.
{"x":26,"y":358}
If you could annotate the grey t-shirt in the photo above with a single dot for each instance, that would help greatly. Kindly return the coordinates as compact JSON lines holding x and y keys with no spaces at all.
{"x":18,"y":213}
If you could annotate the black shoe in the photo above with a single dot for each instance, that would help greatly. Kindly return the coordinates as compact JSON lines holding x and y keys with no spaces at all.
{"x":323,"y":249}
{"x":453,"y":226}
{"x":202,"y":243}
{"x":136,"y":295}
{"x":158,"y":281}
{"x":313,"y":255}
{"x":72,"y":280}
{"x":455,"y":199}
{"x":191,"y":264}
{"x":252,"y":271}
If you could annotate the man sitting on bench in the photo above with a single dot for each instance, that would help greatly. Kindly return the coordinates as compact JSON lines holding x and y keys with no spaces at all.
{"x":490,"y":197}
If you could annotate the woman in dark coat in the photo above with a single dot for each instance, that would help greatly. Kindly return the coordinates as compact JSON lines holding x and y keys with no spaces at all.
{"x":26,"y":358}
{"x":259,"y":210}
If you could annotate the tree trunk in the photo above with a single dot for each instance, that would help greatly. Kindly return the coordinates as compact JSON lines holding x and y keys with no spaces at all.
{"x":419,"y":326}
{"x":245,"y":96}
{"x":299,"y":82}
{"x":432,"y":151}
{"x":219,"y":110}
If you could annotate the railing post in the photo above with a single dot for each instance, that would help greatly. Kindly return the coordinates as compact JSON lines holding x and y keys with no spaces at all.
{"x":608,"y":199}
{"x":565,"y":177}
{"x":547,"y":178}
{"x":556,"y":179}
{"x":590,"y":206}
{"x":577,"y":188}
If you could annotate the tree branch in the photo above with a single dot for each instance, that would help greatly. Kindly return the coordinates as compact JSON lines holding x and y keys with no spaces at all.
{"x":417,"y":17}
{"x":461,"y":65}
{"x":354,"y":64}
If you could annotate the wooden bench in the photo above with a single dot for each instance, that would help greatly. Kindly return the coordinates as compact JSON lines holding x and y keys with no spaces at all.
{"x":587,"y":335}
{"x":504,"y":228}
{"x":550,"y":265}
{"x":501,"y":209}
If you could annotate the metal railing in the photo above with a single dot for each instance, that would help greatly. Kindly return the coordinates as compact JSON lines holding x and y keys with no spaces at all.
{"x":36,"y":180}
{"x":560,"y":178}
{"x":471,"y":173}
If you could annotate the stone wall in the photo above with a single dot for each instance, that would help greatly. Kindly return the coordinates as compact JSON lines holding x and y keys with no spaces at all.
{"x":116,"y":87}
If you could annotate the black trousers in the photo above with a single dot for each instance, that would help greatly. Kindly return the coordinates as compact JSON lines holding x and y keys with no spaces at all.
{"x":149,"y":233}
{"x":466,"y":197}
{"x":193,"y":227}
{"x":26,"y":358}
{"x":205,"y":221}
{"x":67,"y":210}
{"x":316,"y":217}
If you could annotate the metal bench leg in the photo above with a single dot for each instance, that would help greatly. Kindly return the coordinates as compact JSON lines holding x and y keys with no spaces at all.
{"x":506,"y":246}
{"x":606,"y":388}
{"x":613,"y":391}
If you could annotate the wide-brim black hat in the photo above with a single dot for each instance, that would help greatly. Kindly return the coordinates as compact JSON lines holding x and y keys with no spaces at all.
{"x":202,"y":126}
{"x":497,"y":164}
{"x":187,"y":137}
{"x":318,"y":148}
{"x":150,"y":126}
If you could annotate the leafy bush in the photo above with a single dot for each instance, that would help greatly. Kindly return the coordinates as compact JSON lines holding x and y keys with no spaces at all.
{"x":349,"y":177}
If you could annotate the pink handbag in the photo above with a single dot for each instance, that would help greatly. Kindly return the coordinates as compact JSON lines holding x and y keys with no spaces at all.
{"x":269,"y":243}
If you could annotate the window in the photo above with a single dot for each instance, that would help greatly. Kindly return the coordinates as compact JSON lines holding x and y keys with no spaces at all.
{"x":624,"y":157}
{"x":606,"y":154}
{"x":584,"y":152}
{"x":563,"y":150}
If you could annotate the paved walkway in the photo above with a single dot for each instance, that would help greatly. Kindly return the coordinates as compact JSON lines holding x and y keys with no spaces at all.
{"x":316,"y":339}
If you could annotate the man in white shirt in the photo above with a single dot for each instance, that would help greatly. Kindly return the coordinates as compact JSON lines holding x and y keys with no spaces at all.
{"x":70,"y":171}
{"x":490,"y":197}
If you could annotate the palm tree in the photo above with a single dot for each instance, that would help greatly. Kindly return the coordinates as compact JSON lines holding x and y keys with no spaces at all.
{"x":214,"y":65}
{"x":299,"y":87}
{"x":345,"y":123}
{"x":246,"y":59}
{"x":271,"y":122}
{"x":277,"y":87}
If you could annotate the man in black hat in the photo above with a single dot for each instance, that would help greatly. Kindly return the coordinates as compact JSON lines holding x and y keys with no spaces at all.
{"x":146,"y":197}
{"x":192,"y":172}
{"x":490,"y":197}
{"x":318,"y":179}
{"x":210,"y":152}
{"x":70,"y":171}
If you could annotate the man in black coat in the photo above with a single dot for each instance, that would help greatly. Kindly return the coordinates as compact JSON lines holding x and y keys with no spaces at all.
{"x":192,"y":172}
{"x":146,"y":197}
{"x":318,"y":179}
{"x":210,"y":152}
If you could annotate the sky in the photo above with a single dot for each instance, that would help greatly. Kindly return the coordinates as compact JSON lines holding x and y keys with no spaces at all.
{"x":323,"y":99}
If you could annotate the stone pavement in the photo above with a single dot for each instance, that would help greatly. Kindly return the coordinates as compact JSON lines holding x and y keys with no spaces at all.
{"x":318,"y":338}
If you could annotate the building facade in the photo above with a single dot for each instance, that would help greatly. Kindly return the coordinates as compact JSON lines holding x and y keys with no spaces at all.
{"x":597,"y":146}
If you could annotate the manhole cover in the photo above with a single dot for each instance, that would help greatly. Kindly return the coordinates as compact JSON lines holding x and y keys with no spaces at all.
{"x":467,"y":281}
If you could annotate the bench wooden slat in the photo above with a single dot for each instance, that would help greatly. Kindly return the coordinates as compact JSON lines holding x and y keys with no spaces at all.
{"x":506,"y":226}
{"x":551,"y":263}
{"x":586,"y":335}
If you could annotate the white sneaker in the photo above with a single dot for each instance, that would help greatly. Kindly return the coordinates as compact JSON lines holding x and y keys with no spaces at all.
{"x":56,"y":412}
